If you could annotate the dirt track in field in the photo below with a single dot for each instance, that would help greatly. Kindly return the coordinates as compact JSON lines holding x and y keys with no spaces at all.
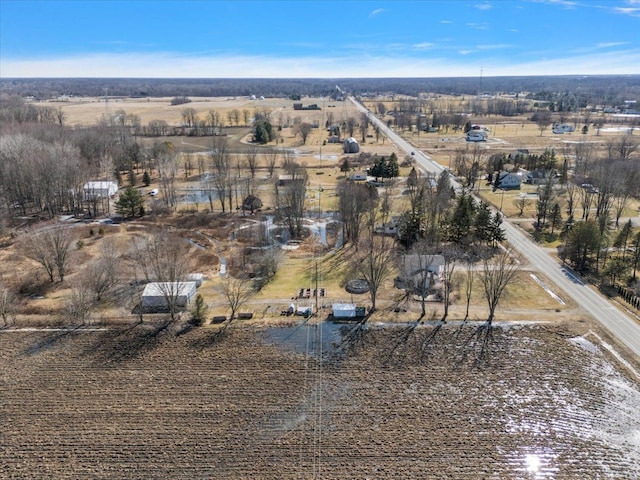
{"x":139,"y":402}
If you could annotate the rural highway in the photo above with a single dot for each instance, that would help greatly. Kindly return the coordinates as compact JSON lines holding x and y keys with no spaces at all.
{"x":620,"y":325}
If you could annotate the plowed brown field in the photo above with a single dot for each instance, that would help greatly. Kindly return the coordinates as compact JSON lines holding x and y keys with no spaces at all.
{"x":141,"y":402}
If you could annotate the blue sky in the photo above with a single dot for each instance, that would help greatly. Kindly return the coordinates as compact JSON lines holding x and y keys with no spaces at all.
{"x":326,"y":39}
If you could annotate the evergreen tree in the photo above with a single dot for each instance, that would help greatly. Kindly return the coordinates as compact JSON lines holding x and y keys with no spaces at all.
{"x":482,"y":224}
{"x":378,"y":168}
{"x":623,"y":237}
{"x":146,"y":179}
{"x":130,"y":203}
{"x":461,"y":219}
{"x":583,"y":241}
{"x":497,"y":232}
{"x":408,"y":229}
{"x":412,"y":179}
{"x":132,"y":178}
{"x":263,"y":132}
{"x":564,"y":173}
{"x":556,"y":217}
{"x":199,"y":313}
{"x":392,"y":169}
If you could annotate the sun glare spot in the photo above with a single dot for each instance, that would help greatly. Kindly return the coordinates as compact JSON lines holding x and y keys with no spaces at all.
{"x":533,"y":463}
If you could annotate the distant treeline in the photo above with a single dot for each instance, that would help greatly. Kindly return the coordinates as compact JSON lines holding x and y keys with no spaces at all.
{"x":602,"y":89}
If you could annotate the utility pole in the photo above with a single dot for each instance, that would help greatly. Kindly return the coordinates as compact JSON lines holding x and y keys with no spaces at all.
{"x":317,"y":287}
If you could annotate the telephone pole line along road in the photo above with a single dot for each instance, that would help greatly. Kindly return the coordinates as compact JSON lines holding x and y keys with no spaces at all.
{"x":621,"y":326}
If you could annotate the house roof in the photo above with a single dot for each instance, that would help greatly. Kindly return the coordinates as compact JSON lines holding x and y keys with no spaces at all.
{"x":414,"y":263}
{"x":160,"y":289}
{"x":100,"y":185}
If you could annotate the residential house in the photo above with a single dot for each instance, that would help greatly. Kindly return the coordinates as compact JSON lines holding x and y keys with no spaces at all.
{"x":415,"y":269}
{"x":358,"y":176}
{"x":508,"y":181}
{"x":99,"y":189}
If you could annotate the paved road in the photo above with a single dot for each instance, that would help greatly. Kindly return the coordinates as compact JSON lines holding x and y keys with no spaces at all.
{"x":620,"y":325}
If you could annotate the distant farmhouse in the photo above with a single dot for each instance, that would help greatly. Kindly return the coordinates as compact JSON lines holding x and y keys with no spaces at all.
{"x":561,"y":128}
{"x":300,"y":106}
{"x":351,"y":145}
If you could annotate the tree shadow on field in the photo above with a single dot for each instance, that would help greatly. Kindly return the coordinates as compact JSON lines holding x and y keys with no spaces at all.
{"x":211,"y":339}
{"x":124,"y":345}
{"x":51,"y":340}
{"x":354,"y":338}
{"x":478,"y":346}
{"x":409,"y":342}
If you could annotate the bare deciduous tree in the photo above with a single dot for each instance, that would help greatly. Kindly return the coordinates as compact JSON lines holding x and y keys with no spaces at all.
{"x":290,"y":199}
{"x":7,"y":304}
{"x":50,"y":248}
{"x":542,"y":119}
{"x":167,"y":166}
{"x":102,"y":274}
{"x":418,"y":271}
{"x":271,"y":159}
{"x":303,"y":129}
{"x":373,"y":260}
{"x":450,"y":255}
{"x":468,"y":284}
{"x":251,"y":159}
{"x":355,"y":200}
{"x":236,"y":292}
{"x":79,"y":304}
{"x":221,"y":170}
{"x":351,"y":126}
{"x":497,"y":273}
{"x":521,"y":202}
{"x":364,"y":125}
{"x":164,"y":259}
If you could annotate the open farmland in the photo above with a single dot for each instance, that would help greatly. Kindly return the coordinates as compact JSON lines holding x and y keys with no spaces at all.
{"x":145,"y":402}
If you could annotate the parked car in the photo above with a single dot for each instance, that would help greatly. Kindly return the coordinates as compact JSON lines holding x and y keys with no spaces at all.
{"x":153,"y":192}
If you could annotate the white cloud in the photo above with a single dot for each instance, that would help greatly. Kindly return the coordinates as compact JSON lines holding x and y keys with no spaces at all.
{"x":564,"y":3}
{"x":483,"y":6}
{"x":631,"y":11}
{"x":376,"y":12}
{"x":478,"y":26}
{"x":172,"y":65}
{"x":446,"y":22}
{"x":423,"y":45}
{"x":610,"y":44}
{"x":497,"y":46}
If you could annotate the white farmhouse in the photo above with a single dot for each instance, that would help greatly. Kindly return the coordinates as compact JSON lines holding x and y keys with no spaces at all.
{"x":99,"y":189}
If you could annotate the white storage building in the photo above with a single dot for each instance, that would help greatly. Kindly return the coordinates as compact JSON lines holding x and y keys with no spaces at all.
{"x":155,"y":294}
{"x":344,"y":310}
